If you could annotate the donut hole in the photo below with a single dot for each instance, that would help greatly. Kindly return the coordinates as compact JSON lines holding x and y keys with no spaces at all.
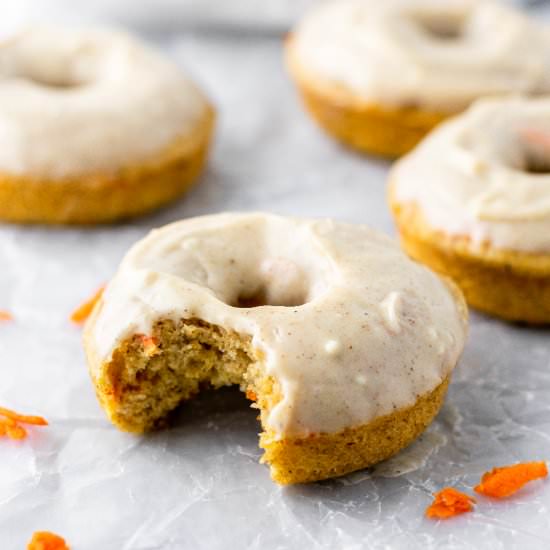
{"x":263,"y":297}
{"x":535,"y":163}
{"x":263,"y":263}
{"x":54,"y":75}
{"x":60,"y":81}
{"x":534,"y":151}
{"x":275,"y":281}
{"x":257,"y":299}
{"x":439,"y":28}
{"x":59,"y":60}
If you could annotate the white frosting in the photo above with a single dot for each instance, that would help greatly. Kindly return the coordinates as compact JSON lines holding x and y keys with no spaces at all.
{"x":74,"y":102}
{"x":439,"y":54}
{"x":469,"y":175}
{"x":326,"y":338}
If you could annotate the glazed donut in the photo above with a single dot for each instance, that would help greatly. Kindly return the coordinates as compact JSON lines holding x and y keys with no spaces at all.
{"x":345,"y":345}
{"x":378,"y":75}
{"x":473,"y":202}
{"x":94,"y":127}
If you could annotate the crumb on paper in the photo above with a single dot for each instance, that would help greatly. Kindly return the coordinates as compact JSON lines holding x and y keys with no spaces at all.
{"x":5,"y":315}
{"x":44,"y":540}
{"x":448,"y":503}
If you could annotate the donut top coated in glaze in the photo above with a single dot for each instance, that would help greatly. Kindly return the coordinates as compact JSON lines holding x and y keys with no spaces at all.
{"x":349,"y":326}
{"x":434,"y":54}
{"x":485,"y":174}
{"x":76,"y":102}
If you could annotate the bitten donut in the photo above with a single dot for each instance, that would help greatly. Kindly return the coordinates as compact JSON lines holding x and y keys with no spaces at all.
{"x":345,"y":345}
{"x":473,"y":202}
{"x":94,"y":127}
{"x":379,"y":74}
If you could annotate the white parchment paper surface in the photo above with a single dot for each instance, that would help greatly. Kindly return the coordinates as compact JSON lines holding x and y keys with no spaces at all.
{"x":198,"y":485}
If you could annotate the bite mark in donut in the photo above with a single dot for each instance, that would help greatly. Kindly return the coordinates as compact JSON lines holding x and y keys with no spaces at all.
{"x":343,"y":344}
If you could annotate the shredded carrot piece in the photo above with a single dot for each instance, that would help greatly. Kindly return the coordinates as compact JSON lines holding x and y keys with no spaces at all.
{"x":9,"y":424}
{"x":251,"y":395}
{"x":44,"y":540}
{"x":448,"y":503}
{"x":536,"y":137}
{"x":10,"y":428}
{"x":5,"y":315}
{"x":150,"y":345}
{"x":24,"y":419}
{"x":505,"y":481}
{"x":80,"y":314}
{"x":16,"y":431}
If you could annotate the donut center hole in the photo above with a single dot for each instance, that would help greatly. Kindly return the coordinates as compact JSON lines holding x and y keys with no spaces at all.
{"x":261,"y":261}
{"x":263,"y":297}
{"x":536,"y":164}
{"x":441,"y":28}
{"x":535,"y":151}
{"x":275,"y":281}
{"x":60,"y":82}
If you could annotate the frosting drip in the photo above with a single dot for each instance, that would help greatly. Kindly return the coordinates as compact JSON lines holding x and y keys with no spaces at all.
{"x":429,"y":53}
{"x":351,"y":328}
{"x":485,"y":174}
{"x":76,"y":102}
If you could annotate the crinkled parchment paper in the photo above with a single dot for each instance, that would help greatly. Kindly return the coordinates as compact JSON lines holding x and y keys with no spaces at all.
{"x":198,"y":485}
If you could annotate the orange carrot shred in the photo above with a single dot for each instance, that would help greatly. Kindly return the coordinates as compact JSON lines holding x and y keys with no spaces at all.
{"x":505,"y":481}
{"x":16,"y":432}
{"x":24,"y":419}
{"x":44,"y":540}
{"x":9,"y":424}
{"x":150,"y":345}
{"x":80,"y":314}
{"x":448,"y":503}
{"x":5,"y":315}
{"x":250,"y":394}
{"x":11,"y":429}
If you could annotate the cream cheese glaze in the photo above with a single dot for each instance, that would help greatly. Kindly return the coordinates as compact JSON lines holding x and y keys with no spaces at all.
{"x":352,"y":329}
{"x":74,"y":102}
{"x":440,"y":55}
{"x":485,"y":174}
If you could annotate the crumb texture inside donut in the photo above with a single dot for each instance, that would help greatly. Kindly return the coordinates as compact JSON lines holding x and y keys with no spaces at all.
{"x":150,"y":375}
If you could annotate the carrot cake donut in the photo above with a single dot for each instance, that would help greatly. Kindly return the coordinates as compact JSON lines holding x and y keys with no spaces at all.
{"x":94,"y":127}
{"x":473,"y":202}
{"x":345,"y":345}
{"x":379,"y":74}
